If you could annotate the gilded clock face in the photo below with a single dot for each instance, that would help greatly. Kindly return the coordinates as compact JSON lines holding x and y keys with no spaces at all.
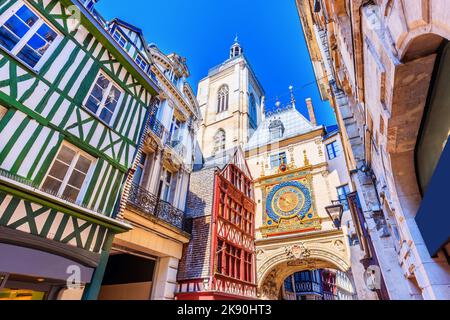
{"x":288,"y":200}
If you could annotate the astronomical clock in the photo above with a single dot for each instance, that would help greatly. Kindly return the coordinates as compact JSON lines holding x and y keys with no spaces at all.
{"x":289,"y":205}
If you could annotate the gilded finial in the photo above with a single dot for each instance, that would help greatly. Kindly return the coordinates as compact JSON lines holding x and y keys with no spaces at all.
{"x":307,"y":164}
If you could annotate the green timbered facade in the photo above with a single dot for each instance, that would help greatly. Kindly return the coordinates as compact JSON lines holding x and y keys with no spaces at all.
{"x":73,"y":103}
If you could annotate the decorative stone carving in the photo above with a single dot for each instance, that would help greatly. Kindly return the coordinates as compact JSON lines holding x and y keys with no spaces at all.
{"x":269,"y":289}
{"x":339,"y":245}
{"x":298,"y":251}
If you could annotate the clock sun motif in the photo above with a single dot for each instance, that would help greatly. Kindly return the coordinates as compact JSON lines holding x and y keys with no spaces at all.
{"x":288,"y":200}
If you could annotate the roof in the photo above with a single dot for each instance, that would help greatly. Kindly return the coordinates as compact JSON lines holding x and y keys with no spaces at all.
{"x":292,"y":120}
{"x":331,"y":131}
{"x":234,"y":156}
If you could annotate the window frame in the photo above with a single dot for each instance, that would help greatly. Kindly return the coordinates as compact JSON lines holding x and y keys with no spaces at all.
{"x":102,"y":106}
{"x":122,"y":36}
{"x":341,"y":200}
{"x":141,"y":168}
{"x":334,"y":153}
{"x":143,"y":61}
{"x":253,"y":111}
{"x":69,"y":172}
{"x":223,"y":99}
{"x":279,"y":159}
{"x":166,"y":185}
{"x":32,"y":31}
{"x":220,"y":141}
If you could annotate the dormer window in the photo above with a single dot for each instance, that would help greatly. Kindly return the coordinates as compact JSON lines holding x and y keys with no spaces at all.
{"x":141,"y":62}
{"x":276,"y":129}
{"x":120,"y":38}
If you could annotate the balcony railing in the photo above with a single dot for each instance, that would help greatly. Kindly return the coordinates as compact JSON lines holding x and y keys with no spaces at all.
{"x":169,"y":213}
{"x":177,"y":146}
{"x":157,"y":127}
{"x":149,"y":204}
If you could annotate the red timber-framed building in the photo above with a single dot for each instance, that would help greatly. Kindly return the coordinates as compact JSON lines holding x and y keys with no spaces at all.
{"x":219,"y":262}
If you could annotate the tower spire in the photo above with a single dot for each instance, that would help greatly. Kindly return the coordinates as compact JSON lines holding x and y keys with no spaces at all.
{"x":236,"y":49}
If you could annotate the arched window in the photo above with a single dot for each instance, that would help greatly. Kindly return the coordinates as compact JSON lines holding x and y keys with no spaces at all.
{"x":219,"y":141}
{"x":222,"y":99}
{"x":253,"y":112}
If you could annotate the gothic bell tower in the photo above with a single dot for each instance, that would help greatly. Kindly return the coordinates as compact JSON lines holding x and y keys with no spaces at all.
{"x":231,"y":102}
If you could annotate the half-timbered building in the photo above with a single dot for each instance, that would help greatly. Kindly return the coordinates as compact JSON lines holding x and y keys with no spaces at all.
{"x":73,"y":103}
{"x":144,"y":261}
{"x":219,"y":262}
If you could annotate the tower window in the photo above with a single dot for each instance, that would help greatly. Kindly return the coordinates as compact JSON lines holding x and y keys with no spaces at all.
{"x":219,"y":141}
{"x":253,"y":112}
{"x":222,"y":99}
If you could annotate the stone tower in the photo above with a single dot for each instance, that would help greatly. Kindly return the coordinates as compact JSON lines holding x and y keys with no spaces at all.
{"x":231,"y":102}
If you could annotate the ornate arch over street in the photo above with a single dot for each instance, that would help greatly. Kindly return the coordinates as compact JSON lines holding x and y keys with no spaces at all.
{"x":278,"y":260}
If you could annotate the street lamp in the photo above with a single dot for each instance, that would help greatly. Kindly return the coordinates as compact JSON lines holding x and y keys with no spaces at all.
{"x":336,"y":211}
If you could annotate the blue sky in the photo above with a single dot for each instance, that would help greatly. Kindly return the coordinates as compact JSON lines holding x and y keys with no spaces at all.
{"x":203,"y":31}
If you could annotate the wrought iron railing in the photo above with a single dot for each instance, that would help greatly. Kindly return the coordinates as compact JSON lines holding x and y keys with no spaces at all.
{"x":149,"y":204}
{"x":157,"y":127}
{"x":169,"y":213}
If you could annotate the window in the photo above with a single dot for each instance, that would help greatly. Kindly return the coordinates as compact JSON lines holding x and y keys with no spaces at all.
{"x":342,"y":196}
{"x":276,"y":129}
{"x":248,"y":262}
{"x":222,"y":99}
{"x":137,"y":179}
{"x":120,"y":38}
{"x":175,"y":131}
{"x":26,"y":36}
{"x":3,"y":111}
{"x":334,"y":150}
{"x":253,"y":112}
{"x":219,"y":141}
{"x":68,"y":173}
{"x":230,"y":261}
{"x":277,"y":160}
{"x":104,"y":98}
{"x":141,"y":62}
{"x":165,"y":185}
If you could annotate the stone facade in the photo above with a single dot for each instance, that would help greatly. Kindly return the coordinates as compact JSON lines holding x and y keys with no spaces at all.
{"x":374,"y":61}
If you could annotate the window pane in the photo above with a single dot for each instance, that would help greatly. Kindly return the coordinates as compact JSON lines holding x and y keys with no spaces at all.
{"x":29,"y":56}
{"x":71,"y":194}
{"x":105,"y":115}
{"x":76,"y":179}
{"x":59,"y":170}
{"x":66,"y":155}
{"x":18,"y":27}
{"x":46,"y":33}
{"x":113,"y":97}
{"x":93,"y":104}
{"x":27,"y":16}
{"x":52,"y":185}
{"x":7,"y":39}
{"x":38,"y":44}
{"x":83,"y":164}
